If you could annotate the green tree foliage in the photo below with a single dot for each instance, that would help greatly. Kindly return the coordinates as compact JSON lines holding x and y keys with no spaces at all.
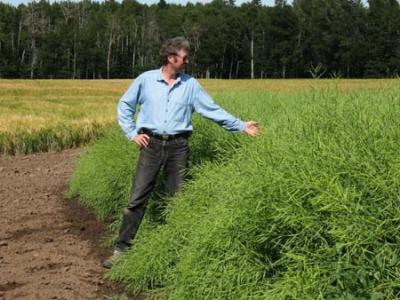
{"x":281,"y":46}
{"x":113,"y":39}
{"x":331,"y":33}
{"x":383,"y":23}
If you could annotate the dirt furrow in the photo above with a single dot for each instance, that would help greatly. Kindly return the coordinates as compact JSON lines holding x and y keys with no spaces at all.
{"x":50,"y":247}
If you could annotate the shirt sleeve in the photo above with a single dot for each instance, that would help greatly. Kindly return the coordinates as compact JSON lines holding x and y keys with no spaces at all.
{"x":127,"y":107}
{"x":206,"y":107}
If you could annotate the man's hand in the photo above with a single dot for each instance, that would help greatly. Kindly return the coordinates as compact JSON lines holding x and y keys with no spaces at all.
{"x":142,"y":140}
{"x":251,"y":128}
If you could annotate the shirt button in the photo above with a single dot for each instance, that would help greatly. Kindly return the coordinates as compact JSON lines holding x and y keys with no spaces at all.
{"x":166,"y":110}
{"x":165,"y":121}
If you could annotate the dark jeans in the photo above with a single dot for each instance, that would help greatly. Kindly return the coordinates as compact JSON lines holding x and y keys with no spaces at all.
{"x":170,"y":155}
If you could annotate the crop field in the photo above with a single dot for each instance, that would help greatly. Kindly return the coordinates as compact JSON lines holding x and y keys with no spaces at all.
{"x":308,"y":210}
{"x":44,"y":115}
{"x":53,"y":115}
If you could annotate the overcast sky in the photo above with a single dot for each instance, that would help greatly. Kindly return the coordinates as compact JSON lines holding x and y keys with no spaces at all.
{"x":238,"y":2}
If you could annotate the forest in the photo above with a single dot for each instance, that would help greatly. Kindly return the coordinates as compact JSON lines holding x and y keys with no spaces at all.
{"x":110,"y":39}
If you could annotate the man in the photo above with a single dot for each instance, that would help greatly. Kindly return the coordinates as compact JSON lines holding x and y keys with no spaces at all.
{"x":167,"y":98}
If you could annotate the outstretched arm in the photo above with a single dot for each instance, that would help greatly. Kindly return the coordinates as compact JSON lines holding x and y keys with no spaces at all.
{"x":206,"y":107}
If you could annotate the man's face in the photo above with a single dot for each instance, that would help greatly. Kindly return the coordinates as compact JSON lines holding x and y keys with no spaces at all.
{"x":179,"y":61}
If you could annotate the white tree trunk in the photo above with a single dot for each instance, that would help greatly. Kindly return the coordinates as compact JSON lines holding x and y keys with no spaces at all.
{"x":133,"y":60}
{"x":19,"y":34}
{"x":237,"y":68}
{"x":34,"y":57}
{"x":23,"y":57}
{"x":252,"y":55}
{"x":74,"y":60}
{"x":231,"y":68}
{"x":12,"y":42}
{"x":110,"y":42}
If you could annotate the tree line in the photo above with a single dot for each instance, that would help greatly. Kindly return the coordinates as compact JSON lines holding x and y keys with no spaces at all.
{"x":110,"y":39}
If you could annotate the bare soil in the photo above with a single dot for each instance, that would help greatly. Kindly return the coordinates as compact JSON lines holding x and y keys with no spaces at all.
{"x":50,"y":247}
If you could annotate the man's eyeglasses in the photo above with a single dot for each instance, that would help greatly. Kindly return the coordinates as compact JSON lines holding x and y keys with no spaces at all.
{"x":184,"y":58}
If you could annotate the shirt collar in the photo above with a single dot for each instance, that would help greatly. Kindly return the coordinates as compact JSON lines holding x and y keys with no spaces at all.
{"x":159,"y":75}
{"x":161,"y":78}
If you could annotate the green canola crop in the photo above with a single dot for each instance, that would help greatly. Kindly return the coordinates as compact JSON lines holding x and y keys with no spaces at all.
{"x":308,"y":210}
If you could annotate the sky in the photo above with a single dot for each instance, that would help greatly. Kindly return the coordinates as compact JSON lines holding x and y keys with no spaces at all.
{"x":238,"y":2}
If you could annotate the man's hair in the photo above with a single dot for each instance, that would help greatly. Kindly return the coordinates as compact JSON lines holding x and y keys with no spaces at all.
{"x":172,"y":46}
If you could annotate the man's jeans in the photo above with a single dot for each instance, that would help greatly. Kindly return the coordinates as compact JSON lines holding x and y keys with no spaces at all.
{"x":172,"y":155}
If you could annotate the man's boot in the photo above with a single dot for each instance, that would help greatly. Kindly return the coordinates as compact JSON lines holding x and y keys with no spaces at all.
{"x":128,"y":227}
{"x":108,"y":263}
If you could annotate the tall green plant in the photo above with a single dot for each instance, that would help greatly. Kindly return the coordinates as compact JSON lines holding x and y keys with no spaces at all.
{"x":317,"y":71}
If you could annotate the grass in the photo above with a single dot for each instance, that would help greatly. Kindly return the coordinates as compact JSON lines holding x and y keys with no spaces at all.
{"x":309,"y":210}
{"x":45,"y":115}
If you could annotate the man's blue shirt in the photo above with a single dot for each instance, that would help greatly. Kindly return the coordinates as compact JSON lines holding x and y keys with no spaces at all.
{"x":168,"y":109}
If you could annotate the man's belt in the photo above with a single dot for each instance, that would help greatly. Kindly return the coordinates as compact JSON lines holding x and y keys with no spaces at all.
{"x":164,"y":137}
